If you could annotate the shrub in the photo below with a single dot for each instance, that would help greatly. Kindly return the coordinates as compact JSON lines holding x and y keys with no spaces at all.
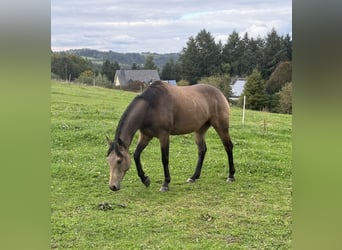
{"x":285,"y":99}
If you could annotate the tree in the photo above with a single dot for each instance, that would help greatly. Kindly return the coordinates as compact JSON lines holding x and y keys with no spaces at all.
{"x":135,"y":66}
{"x":281,"y":75}
{"x":285,"y":99}
{"x":109,"y":69}
{"x":67,"y":66}
{"x":149,"y":63}
{"x":171,"y":71}
{"x":209,"y":54}
{"x":287,"y":41}
{"x":221,"y":82}
{"x":254,"y":91}
{"x":232,"y":53}
{"x":189,"y":59}
{"x":274,"y":53}
{"x":252,"y":55}
{"x":101,"y":80}
{"x":201,"y":57}
{"x":86,"y":77}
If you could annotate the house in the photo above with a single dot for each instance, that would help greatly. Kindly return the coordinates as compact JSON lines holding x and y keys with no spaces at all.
{"x":237,"y":88}
{"x":171,"y":82}
{"x":124,"y":76}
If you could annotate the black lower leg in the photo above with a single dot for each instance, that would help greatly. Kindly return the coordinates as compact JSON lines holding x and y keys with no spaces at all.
{"x":201,"y":154}
{"x":144,"y":179}
{"x":165,"y":160}
{"x":230,"y":161}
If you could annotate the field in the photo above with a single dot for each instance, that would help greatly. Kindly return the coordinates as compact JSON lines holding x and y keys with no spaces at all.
{"x":255,"y":212}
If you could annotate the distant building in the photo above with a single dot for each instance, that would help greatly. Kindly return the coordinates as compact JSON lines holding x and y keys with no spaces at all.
{"x":171,"y":82}
{"x":237,"y":88}
{"x":123,"y":76}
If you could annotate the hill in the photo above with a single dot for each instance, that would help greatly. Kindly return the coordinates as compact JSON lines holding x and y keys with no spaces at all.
{"x":125,"y":60}
{"x":252,"y":213}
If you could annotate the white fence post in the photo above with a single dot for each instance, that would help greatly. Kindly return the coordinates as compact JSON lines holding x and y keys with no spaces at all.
{"x":243,"y":110}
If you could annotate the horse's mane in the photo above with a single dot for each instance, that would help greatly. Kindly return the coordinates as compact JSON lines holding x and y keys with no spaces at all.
{"x":151,"y":95}
{"x":154,"y":93}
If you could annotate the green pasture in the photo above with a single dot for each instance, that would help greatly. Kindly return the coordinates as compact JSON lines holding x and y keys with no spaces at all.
{"x":255,"y":212}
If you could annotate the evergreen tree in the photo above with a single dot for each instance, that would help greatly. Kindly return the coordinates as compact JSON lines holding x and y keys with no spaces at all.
{"x":274,"y":53}
{"x":288,"y":47}
{"x":246,"y":54}
{"x":189,"y":59}
{"x":171,"y":71}
{"x":254,"y":91}
{"x":135,"y":66}
{"x":232,"y":53}
{"x":149,"y":63}
{"x":253,"y":55}
{"x":209,"y":54}
{"x":109,"y":69}
{"x":201,"y":57}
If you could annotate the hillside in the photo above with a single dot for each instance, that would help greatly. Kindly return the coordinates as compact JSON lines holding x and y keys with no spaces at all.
{"x":255,"y":212}
{"x":124,"y":59}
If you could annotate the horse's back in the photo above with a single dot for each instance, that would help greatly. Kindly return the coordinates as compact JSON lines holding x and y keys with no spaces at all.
{"x":200,"y":97}
{"x":194,"y":106}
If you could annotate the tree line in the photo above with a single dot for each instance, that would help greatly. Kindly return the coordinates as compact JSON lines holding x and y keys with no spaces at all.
{"x":239,"y":56}
{"x":265,"y":62}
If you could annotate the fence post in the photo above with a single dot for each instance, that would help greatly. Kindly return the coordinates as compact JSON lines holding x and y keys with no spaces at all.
{"x":243,"y":110}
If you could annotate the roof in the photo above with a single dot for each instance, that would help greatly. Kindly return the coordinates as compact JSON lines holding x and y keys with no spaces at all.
{"x":172,"y":82}
{"x":124,"y":76}
{"x":237,"y":87}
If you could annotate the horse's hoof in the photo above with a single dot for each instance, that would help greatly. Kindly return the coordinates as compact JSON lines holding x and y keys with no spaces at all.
{"x":164,"y":189}
{"x":147,"y":181}
{"x":230,"y":179}
{"x":190,"y":180}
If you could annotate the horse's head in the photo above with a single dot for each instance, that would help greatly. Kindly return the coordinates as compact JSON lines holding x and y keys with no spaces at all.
{"x":119,"y":162}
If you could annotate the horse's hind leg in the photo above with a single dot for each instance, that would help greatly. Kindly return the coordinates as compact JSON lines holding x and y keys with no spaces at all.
{"x":202,"y":149}
{"x":228,"y":146}
{"x":142,"y":143}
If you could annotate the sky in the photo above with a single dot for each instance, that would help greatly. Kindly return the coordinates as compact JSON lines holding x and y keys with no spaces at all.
{"x":161,"y":26}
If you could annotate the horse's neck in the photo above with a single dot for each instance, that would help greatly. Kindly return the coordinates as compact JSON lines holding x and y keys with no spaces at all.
{"x":132,"y":122}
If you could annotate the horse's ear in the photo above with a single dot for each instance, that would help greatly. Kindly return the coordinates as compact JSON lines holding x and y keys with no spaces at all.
{"x":108,"y":140}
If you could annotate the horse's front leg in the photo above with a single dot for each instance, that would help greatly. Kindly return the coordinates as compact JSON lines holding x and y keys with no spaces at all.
{"x":142,"y":143}
{"x":164,"y":144}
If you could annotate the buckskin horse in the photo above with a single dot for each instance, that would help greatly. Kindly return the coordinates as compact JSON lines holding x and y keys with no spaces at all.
{"x":163,"y":110}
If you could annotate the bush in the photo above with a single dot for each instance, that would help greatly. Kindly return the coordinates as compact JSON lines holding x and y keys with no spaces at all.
{"x":285,"y":99}
{"x":281,"y":75}
{"x":86,"y":77}
{"x":220,"y":82}
{"x":183,"y":83}
{"x":254,"y":91}
{"x":102,"y":81}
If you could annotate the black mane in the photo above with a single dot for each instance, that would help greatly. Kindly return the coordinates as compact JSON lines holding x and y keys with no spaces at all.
{"x":152,"y":95}
{"x":111,"y":148}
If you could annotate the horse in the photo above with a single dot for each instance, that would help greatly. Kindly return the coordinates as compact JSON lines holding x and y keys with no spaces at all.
{"x":163,"y":110}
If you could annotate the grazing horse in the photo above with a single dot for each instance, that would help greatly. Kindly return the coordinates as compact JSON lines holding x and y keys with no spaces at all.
{"x":163,"y":110}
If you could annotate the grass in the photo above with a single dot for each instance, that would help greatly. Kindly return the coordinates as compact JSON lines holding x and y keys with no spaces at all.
{"x":252,"y":213}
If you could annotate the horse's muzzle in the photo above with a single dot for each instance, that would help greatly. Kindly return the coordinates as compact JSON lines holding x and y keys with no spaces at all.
{"x":114,"y":188}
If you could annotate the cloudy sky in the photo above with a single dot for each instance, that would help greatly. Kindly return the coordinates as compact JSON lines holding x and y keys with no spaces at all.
{"x":160,"y":26}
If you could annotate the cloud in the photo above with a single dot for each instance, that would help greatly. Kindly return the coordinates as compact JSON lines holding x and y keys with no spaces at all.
{"x":136,"y":26}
